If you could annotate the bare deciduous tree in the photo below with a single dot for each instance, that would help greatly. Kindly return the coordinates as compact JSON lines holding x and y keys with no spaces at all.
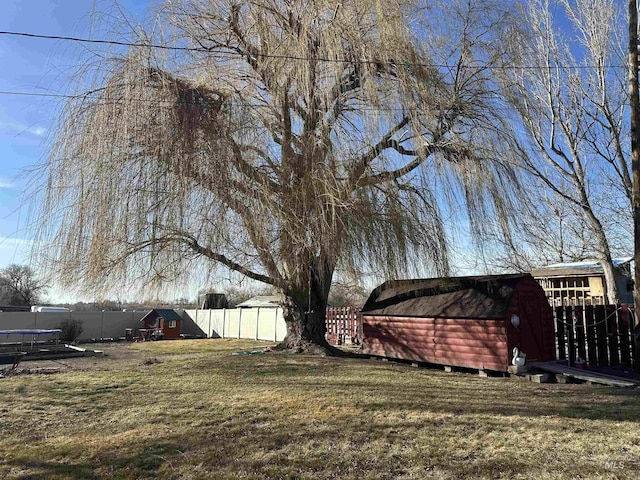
{"x":286,"y":139}
{"x":19,"y":286}
{"x":571,"y":98}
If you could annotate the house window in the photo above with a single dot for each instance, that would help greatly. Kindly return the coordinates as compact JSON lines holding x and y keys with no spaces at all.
{"x":172,"y":324}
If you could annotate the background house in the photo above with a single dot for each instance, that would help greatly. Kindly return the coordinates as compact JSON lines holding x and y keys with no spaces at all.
{"x":583,"y":283}
{"x":263,"y":301}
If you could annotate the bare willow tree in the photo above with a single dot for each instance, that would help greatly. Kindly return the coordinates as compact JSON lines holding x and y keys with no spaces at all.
{"x":281,"y":140}
{"x":570,"y":96}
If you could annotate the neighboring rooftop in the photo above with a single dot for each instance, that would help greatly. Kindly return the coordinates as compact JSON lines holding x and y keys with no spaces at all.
{"x":272,"y":301}
{"x":585,"y":267}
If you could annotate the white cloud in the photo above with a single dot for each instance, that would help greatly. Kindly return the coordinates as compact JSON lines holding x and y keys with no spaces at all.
{"x":5,"y":183}
{"x":20,"y":129}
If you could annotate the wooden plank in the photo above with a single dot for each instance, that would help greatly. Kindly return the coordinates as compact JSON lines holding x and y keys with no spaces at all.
{"x":592,"y":351}
{"x":624,"y":335}
{"x":430,"y":337}
{"x":404,"y":327}
{"x":614,"y":344}
{"x":586,"y":375}
{"x":558,"y":315}
{"x":486,"y":342}
{"x":419,"y":351}
{"x":601,"y":335}
{"x":440,"y":322}
{"x":571,"y":340}
{"x":438,"y":330}
{"x":581,"y":338}
{"x":441,"y":358}
{"x":460,"y":325}
{"x":453,"y":344}
{"x":500,"y":350}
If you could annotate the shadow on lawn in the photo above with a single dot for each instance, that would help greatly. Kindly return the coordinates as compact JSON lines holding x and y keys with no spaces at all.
{"x":48,"y":470}
{"x":576,"y":402}
{"x":455,"y":394}
{"x":117,"y":463}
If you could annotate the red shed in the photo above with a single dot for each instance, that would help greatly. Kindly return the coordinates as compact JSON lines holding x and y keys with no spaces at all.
{"x":472,"y":322}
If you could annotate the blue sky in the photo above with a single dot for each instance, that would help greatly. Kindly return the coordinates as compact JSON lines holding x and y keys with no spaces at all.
{"x":42,"y":67}
{"x":35,"y":66}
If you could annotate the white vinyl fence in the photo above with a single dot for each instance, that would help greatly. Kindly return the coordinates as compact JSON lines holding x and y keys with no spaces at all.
{"x":265,"y":323}
{"x":250,"y":323}
{"x":95,"y":325}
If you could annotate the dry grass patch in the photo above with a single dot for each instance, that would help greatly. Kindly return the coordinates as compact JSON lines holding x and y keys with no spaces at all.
{"x":197,"y":412}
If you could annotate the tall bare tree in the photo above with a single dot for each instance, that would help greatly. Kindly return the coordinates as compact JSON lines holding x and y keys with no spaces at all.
{"x":634,"y":100}
{"x":570,"y":96}
{"x":19,"y":286}
{"x":284,"y":139}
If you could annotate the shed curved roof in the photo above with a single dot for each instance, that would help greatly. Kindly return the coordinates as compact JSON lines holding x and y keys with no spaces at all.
{"x":453,"y":297}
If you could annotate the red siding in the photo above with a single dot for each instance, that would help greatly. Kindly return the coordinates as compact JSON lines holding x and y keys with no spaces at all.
{"x":170,"y":333}
{"x":478,"y":344}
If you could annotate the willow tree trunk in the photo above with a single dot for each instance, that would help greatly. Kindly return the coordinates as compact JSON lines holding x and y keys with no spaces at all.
{"x":305,"y":308}
{"x":306,"y":324}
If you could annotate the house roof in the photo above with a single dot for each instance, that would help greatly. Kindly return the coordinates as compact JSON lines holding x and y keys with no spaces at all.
{"x":583,"y":268}
{"x":458,"y":297}
{"x":166,"y":313}
{"x":262,"y":301}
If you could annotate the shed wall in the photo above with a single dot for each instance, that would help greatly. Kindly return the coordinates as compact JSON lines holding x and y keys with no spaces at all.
{"x":168,"y":332}
{"x":469,"y":343}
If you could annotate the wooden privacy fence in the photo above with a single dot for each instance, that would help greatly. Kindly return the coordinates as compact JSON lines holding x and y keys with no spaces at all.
{"x":600,"y":335}
{"x":343,"y":324}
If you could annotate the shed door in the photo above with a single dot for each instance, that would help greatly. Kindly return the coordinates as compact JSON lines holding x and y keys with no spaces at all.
{"x":532,"y":327}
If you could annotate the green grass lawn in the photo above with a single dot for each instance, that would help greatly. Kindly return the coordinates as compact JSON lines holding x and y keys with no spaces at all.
{"x":191,"y":410}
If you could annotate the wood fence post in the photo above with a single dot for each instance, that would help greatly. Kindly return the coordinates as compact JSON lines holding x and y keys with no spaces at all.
{"x":560,"y":329}
{"x":625,"y":335}
{"x":601,"y":335}
{"x":592,"y":351}
{"x":569,"y":320}
{"x":580,"y":333}
{"x":614,"y":344}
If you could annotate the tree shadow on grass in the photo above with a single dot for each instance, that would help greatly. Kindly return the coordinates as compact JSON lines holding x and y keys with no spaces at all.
{"x":123,"y":463}
{"x":47,"y":470}
{"x":584,"y":402}
{"x":458,"y":393}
